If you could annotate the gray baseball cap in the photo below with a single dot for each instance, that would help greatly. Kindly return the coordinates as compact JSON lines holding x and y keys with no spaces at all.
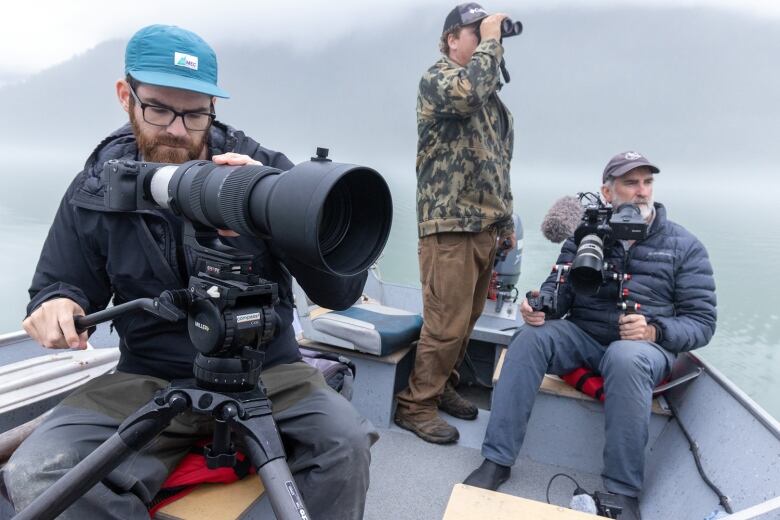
{"x":464,"y":14}
{"x":624,"y":162}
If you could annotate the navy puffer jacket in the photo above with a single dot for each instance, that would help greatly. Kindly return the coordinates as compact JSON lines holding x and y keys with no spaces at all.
{"x":671,"y":277}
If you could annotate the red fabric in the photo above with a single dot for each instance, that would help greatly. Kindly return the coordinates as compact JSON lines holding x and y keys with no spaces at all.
{"x":190,"y":472}
{"x":590,"y":386}
{"x":193,"y":470}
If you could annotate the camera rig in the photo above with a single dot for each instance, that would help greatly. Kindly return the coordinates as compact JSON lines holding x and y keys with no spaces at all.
{"x":332,"y":217}
{"x":548,"y":303}
{"x":600,"y":227}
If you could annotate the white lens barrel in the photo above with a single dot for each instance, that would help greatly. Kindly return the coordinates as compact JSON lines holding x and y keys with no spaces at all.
{"x":159,"y":184}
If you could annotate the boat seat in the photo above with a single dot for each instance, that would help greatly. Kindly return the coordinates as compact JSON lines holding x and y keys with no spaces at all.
{"x":467,"y":503}
{"x":215,"y":501}
{"x":554,"y":385}
{"x":366,"y":327}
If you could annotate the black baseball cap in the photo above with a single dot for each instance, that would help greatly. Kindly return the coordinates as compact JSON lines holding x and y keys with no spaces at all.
{"x":624,"y":162}
{"x":464,"y":14}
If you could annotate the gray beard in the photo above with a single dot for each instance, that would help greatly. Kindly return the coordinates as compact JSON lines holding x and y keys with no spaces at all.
{"x":646,"y":208}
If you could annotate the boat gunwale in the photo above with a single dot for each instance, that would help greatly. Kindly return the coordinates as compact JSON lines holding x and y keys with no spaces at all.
{"x":769,"y":422}
{"x":12,"y":338}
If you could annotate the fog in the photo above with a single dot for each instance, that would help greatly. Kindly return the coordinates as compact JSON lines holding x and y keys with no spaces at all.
{"x":685,"y":86}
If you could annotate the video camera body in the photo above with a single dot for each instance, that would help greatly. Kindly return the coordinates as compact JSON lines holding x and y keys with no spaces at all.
{"x":623,"y":223}
{"x":595,"y":227}
{"x":600,"y":227}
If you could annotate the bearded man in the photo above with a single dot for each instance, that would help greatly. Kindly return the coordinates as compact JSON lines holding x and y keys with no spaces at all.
{"x":671,"y":278}
{"x":93,"y":255}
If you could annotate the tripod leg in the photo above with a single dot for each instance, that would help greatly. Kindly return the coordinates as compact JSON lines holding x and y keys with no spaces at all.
{"x":77,"y":481}
{"x":265,"y":450}
{"x":133,"y":434}
{"x":286,"y":500}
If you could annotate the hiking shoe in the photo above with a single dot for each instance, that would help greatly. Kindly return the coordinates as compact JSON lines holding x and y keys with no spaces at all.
{"x":452,"y":403}
{"x":630,"y":507}
{"x":488,"y":476}
{"x":432,"y":429}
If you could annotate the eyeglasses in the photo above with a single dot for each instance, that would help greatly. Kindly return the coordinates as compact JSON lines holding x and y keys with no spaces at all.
{"x":165,"y":116}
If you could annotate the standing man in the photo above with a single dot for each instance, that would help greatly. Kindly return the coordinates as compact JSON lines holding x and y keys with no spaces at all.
{"x":671,"y":278}
{"x":464,"y":206}
{"x":93,"y":255}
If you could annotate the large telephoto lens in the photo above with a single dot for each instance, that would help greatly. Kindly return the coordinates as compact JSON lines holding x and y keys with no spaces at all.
{"x":331,"y":216}
{"x":586,"y":270}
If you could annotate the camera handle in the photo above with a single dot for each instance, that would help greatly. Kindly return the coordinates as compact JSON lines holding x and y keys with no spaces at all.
{"x":167,"y":306}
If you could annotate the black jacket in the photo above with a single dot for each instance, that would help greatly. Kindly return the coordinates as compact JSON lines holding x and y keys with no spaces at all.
{"x":671,"y":278}
{"x":92,"y":255}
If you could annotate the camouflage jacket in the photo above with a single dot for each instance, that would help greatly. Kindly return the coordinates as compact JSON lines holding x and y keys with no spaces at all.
{"x":464,"y":146}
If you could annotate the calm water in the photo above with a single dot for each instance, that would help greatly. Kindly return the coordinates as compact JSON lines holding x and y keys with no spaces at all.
{"x":734,"y":217}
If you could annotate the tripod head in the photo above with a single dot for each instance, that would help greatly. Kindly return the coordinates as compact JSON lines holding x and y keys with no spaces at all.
{"x":231,"y":316}
{"x":229,"y":310}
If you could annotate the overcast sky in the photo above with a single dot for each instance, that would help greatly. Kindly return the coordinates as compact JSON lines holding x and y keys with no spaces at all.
{"x":35,"y":35}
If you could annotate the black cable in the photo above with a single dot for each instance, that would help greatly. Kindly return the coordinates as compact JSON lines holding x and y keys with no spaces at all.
{"x":724,"y":500}
{"x":549,"y":484}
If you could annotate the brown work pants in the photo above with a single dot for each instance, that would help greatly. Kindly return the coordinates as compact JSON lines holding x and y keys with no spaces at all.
{"x":455,"y":271}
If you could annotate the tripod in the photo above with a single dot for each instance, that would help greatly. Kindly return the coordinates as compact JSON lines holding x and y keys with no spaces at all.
{"x":230,"y":314}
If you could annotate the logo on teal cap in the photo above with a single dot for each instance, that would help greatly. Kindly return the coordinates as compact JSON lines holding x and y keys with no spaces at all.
{"x":185,"y":60}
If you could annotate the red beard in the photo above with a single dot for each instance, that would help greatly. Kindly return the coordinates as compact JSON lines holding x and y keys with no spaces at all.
{"x":166,"y":148}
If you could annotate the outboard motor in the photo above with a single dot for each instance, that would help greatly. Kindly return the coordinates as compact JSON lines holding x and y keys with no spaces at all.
{"x":506,"y":270}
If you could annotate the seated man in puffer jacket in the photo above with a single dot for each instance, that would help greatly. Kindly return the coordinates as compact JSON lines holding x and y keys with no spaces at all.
{"x":671,"y":279}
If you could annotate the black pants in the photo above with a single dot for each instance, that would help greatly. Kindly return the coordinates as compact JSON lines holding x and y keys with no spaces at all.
{"x":327,"y":443}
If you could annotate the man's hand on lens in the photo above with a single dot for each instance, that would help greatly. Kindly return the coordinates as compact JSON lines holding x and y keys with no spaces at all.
{"x":52,"y":325}
{"x":635,"y":326}
{"x":232,"y":159}
{"x":491,"y":26}
{"x":530,"y":316}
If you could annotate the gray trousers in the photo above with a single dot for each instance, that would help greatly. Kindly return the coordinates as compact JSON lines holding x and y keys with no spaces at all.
{"x":631,"y":369}
{"x":326,"y":440}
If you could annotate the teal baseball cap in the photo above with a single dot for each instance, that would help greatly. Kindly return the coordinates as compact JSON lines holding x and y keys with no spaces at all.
{"x":169,"y":56}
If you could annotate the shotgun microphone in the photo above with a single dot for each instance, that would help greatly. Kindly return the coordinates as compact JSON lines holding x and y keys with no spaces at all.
{"x":562,"y":219}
